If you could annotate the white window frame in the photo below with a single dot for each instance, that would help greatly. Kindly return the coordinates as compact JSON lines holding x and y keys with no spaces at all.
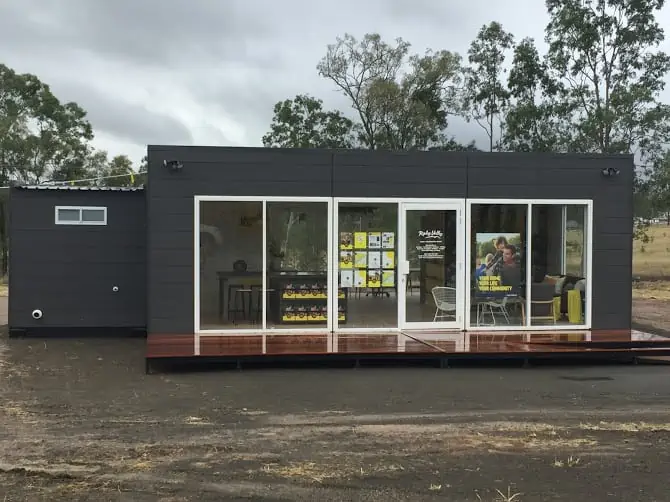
{"x":588,"y":273}
{"x":81,"y":210}
{"x":263,"y":329}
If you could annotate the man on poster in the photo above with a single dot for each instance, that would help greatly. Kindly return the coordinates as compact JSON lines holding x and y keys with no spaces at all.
{"x":510,"y":271}
{"x":498,"y":273}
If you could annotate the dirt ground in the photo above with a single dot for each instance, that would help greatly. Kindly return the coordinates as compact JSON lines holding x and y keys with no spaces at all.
{"x":80,"y":420}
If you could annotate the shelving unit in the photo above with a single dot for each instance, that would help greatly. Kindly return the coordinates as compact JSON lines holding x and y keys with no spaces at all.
{"x":303,"y":299}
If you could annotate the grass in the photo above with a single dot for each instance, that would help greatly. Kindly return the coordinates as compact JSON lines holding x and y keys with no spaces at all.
{"x":651,"y":263}
{"x":652,"y":260}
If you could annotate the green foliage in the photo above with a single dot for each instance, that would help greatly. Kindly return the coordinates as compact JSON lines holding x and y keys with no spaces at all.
{"x":657,"y":188}
{"x":40,"y":137}
{"x":43,"y":139}
{"x":605,"y":55}
{"x":402,"y":101}
{"x":301,"y":122}
{"x":486,"y":96}
{"x":535,"y":120}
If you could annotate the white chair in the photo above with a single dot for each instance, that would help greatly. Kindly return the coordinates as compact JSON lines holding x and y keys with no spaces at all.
{"x":492,"y":307}
{"x":445,"y":302}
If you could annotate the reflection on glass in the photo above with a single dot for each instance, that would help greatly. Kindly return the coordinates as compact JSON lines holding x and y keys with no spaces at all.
{"x":367,"y":265}
{"x":431,"y":250}
{"x":498,"y":289}
{"x":297,"y":264}
{"x":558,"y":265}
{"x":231,"y":256}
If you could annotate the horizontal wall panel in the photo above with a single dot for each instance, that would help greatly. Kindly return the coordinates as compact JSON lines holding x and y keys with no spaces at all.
{"x":172,"y":257}
{"x":239,"y":155}
{"x":175,"y":239}
{"x":611,"y":242}
{"x":160,"y":222}
{"x":258,"y":188}
{"x":614,"y":225}
{"x":392,"y":175}
{"x":367,"y":158}
{"x":536,"y":192}
{"x":405,"y":190}
{"x":239,"y":173}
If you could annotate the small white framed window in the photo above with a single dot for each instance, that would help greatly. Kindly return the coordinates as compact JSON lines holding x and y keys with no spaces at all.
{"x":81,"y":215}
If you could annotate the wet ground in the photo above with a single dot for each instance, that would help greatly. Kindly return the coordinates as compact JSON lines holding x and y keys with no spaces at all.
{"x":81,"y":421}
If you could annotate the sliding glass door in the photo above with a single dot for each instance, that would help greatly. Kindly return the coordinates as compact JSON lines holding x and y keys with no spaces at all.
{"x":262,"y":264}
{"x":431,"y":284}
{"x":529,"y":264}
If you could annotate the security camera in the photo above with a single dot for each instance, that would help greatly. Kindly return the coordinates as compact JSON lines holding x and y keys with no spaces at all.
{"x":610,"y":171}
{"x":37,"y":314}
{"x":173,"y":165}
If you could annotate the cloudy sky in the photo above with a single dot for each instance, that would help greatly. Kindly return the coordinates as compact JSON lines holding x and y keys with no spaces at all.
{"x":207,"y":71}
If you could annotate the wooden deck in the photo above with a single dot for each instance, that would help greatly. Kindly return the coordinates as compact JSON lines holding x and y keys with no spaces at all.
{"x":524,"y":345}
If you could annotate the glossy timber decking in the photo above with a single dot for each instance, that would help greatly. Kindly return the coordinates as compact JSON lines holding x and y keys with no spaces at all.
{"x":404,"y":345}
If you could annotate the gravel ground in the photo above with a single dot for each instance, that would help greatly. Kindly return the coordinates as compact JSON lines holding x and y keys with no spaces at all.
{"x":81,"y":421}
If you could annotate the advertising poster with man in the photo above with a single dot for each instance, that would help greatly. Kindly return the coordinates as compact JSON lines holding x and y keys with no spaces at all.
{"x":498,"y":265}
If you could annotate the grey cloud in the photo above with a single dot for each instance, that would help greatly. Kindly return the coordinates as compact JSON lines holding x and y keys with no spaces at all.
{"x":233,"y":58}
{"x":150,"y":32}
{"x":125,"y":121}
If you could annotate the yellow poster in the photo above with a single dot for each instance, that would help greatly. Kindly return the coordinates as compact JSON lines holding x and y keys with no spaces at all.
{"x":360,"y":259}
{"x":346,"y":240}
{"x":388,"y":259}
{"x":388,"y":278}
{"x":360,"y":240}
{"x":346,"y":259}
{"x":360,"y":279}
{"x":374,"y":278}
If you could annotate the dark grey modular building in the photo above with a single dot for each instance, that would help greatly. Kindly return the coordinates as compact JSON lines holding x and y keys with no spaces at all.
{"x":230,"y":248}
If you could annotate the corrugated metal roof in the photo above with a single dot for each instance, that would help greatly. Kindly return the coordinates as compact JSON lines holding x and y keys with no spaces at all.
{"x":80,"y":188}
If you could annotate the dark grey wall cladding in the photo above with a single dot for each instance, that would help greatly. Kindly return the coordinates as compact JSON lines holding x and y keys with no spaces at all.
{"x":546,"y":176}
{"x":211,"y":171}
{"x":400,"y":174}
{"x":295,"y":173}
{"x":68,"y":271}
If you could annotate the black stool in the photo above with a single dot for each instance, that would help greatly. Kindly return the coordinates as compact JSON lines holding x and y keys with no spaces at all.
{"x":257,"y":289}
{"x":237,"y":304}
{"x":258,"y":311}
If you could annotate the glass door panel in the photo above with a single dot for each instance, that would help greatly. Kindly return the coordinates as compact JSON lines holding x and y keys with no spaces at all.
{"x":432,"y":266}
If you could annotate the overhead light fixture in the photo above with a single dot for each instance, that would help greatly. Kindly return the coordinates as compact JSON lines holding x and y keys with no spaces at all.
{"x":610,"y":171}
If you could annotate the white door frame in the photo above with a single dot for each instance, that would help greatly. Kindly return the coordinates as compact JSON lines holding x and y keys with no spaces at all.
{"x":458,"y":206}
{"x":400,"y":236}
